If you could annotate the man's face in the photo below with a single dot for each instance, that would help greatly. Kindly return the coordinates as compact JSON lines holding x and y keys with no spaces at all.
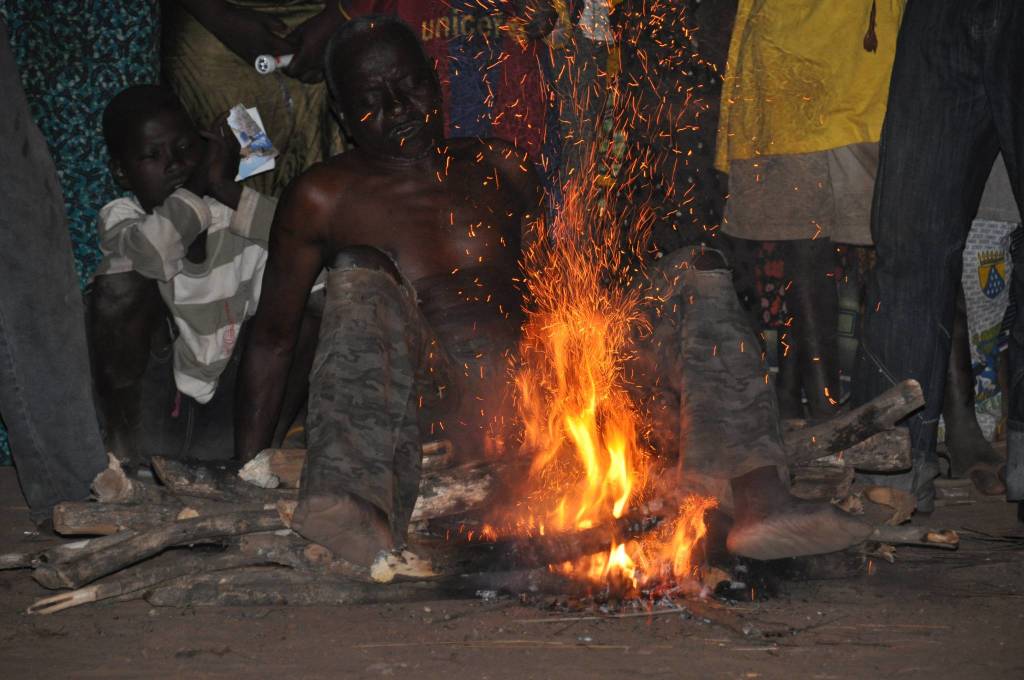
{"x":158,"y":157}
{"x":390,"y":96}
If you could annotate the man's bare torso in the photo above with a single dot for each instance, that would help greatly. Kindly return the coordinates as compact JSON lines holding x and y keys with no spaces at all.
{"x":459,"y":223}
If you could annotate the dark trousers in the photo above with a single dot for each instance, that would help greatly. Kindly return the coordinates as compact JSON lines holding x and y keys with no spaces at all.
{"x":45,"y":384}
{"x":956,"y":99}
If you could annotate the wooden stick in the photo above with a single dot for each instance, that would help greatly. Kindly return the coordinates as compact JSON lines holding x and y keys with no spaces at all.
{"x":89,"y":518}
{"x":442,"y":492}
{"x":73,"y":518}
{"x":913,"y":535}
{"x":819,"y":482}
{"x":885,"y":451}
{"x":848,"y":429}
{"x":537,"y":551}
{"x":280,"y":586}
{"x":156,"y":571}
{"x":77,"y":572}
{"x":455,"y":490}
{"x":114,"y":486}
{"x":62,"y":552}
{"x":212,"y":482}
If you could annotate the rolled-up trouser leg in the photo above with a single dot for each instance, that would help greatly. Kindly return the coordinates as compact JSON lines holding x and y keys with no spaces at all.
{"x":703,"y":356}
{"x":363,"y":434}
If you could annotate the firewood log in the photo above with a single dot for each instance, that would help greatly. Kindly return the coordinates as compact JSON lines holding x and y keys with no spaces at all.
{"x":79,"y":571}
{"x":529,"y":552}
{"x":442,"y":492}
{"x":885,"y":451}
{"x":279,"y":586}
{"x":213,"y":482}
{"x":163,"y":568}
{"x":821,"y":483}
{"x":114,"y":486}
{"x":908,"y":534}
{"x":75,"y":518}
{"x":62,"y":552}
{"x":849,"y":429}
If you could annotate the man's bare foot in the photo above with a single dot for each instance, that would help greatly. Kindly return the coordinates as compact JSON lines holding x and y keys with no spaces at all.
{"x":770,"y":524}
{"x":350,"y":528}
{"x":988,"y":478}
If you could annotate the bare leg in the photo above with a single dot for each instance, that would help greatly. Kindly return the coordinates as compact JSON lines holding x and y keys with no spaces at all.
{"x":297,"y":390}
{"x":969,"y":451}
{"x":813,"y":302}
{"x":125,"y":309}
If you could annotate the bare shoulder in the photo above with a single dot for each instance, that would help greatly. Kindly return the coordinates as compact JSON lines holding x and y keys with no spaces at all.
{"x":313,"y":199}
{"x":512,"y":164}
{"x":505,"y":156}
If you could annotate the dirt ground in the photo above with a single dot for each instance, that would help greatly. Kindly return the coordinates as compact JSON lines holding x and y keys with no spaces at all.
{"x":932,"y":614}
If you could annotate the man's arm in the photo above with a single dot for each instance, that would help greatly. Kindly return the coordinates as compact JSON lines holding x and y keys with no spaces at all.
{"x":297,"y":242}
{"x":254,"y":217}
{"x":246,"y":32}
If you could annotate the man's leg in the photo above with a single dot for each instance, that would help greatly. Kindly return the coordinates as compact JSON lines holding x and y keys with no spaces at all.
{"x":45,"y":387}
{"x":813,"y":304}
{"x":729,"y":437}
{"x":361,"y":477}
{"x":937,"y":148}
{"x":1004,"y":82}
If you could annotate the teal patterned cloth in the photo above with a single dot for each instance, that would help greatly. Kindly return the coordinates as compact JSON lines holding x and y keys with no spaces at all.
{"x":74,"y":56}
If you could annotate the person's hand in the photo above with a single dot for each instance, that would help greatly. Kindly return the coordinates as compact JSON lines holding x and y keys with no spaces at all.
{"x":215,"y":174}
{"x":308,"y":41}
{"x":245,"y":32}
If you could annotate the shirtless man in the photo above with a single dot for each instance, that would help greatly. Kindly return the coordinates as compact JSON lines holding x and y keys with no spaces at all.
{"x":422,"y":236}
{"x":408,"y":217}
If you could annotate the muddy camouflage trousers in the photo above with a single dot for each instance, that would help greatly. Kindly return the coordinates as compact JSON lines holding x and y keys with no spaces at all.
{"x":699,"y":374}
{"x":384,"y":381}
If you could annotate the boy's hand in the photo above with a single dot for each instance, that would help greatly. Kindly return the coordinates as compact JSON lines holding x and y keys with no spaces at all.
{"x":215,"y":174}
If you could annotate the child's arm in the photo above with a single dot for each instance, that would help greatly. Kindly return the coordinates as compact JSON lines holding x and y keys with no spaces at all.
{"x":156,"y":242}
{"x":253,"y":217}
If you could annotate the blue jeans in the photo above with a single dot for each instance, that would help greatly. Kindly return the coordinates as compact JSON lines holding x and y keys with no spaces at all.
{"x":45,"y":384}
{"x":956,"y":99}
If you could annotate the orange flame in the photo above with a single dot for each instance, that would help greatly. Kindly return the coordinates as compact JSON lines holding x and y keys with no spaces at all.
{"x":582,"y":428}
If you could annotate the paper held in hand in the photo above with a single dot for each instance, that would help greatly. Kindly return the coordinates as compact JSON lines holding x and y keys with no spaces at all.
{"x":258,"y":152}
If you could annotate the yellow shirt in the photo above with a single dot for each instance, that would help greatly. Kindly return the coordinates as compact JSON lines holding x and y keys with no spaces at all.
{"x":800,"y":80}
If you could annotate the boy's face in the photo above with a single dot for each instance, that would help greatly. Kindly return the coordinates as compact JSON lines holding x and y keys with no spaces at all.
{"x":158,"y":156}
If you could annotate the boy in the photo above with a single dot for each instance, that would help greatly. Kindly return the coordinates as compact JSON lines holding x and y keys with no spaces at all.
{"x":201,"y":239}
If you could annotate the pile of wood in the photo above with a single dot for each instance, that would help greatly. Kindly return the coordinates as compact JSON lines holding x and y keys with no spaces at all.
{"x":207,"y":534}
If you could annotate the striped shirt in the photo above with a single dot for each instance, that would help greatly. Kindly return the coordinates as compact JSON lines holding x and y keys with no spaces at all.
{"x":210,"y":300}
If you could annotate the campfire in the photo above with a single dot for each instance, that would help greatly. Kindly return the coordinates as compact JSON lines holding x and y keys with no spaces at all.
{"x":582,"y":430}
